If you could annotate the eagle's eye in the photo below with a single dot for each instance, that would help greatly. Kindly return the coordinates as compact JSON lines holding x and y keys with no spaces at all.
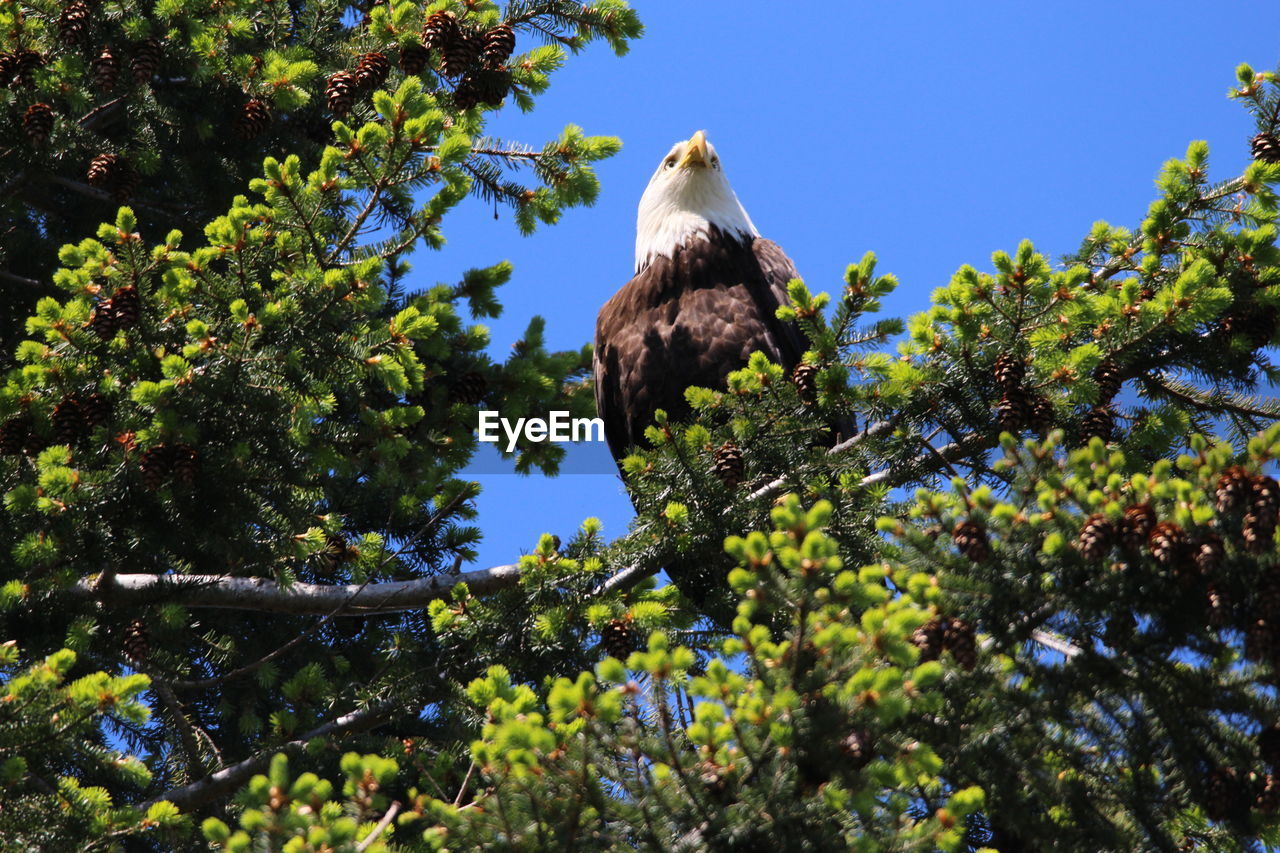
{"x":671,"y":162}
{"x":715,"y":163}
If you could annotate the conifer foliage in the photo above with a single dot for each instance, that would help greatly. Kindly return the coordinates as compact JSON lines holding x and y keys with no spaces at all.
{"x":1012,"y":585}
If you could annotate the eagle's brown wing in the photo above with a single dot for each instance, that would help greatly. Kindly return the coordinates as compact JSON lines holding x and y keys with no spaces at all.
{"x":687,"y":320}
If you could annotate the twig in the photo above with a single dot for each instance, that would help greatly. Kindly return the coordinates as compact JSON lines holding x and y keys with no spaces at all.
{"x":380,"y":828}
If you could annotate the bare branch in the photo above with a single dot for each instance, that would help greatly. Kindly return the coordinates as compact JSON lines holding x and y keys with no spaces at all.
{"x":380,"y":828}
{"x":260,"y":594}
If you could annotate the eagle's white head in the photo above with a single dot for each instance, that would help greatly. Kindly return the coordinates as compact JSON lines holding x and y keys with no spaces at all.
{"x":686,"y":196}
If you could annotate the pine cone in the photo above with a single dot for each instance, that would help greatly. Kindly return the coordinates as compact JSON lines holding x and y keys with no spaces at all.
{"x":68,"y":421}
{"x":729,"y":466}
{"x":253,"y":119}
{"x":1224,"y":795}
{"x":960,"y":640}
{"x":1260,"y":641}
{"x":8,"y":66}
{"x":103,"y":322}
{"x":184,"y":458}
{"x":124,"y":181}
{"x":498,"y":44}
{"x":21,"y":67}
{"x":73,"y":23}
{"x":127,"y":305}
{"x":457,"y":57}
{"x":805,"y":378}
{"x":106,"y":70}
{"x":1265,"y":147}
{"x":137,"y":642}
{"x":96,"y":409}
{"x":1267,"y":597}
{"x":1268,"y":799}
{"x":14,"y":434}
{"x":157,"y":465}
{"x":1264,"y":495}
{"x":1097,"y":535}
{"x":618,"y":639}
{"x":37,"y":121}
{"x":101,"y":169}
{"x":970,"y":539}
{"x":1269,"y":746}
{"x":1220,"y":610}
{"x":1009,"y":371}
{"x":1107,"y":375}
{"x":859,"y":747}
{"x":1234,"y":487}
{"x":1040,"y":414}
{"x":340,"y":93}
{"x":440,"y":30}
{"x":466,"y":94}
{"x":928,"y":638}
{"x":1136,"y":526}
{"x":1013,"y":410}
{"x":1208,"y":552}
{"x":414,"y":59}
{"x":372,"y":70}
{"x":1168,"y":545}
{"x":1099,"y":422}
{"x":487,"y":87}
{"x":469,"y":388}
{"x":146,"y":61}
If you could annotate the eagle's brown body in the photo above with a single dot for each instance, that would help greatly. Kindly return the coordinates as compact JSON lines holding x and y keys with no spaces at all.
{"x":689,"y":319}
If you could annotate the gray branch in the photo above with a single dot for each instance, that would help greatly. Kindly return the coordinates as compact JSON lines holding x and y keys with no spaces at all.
{"x":229,"y":779}
{"x":262,"y":595}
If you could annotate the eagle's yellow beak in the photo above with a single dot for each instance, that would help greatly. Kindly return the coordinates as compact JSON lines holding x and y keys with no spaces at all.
{"x":696,"y":153}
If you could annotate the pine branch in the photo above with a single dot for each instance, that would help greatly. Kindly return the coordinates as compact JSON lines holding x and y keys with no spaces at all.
{"x":225,"y":781}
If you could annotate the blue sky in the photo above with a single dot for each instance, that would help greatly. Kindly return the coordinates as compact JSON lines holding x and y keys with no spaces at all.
{"x":931,"y":133}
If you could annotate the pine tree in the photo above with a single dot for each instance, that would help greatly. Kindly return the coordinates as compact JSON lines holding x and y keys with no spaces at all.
{"x":236,"y":537}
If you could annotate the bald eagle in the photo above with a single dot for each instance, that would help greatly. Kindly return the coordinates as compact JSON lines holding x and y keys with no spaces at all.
{"x":704,"y":297}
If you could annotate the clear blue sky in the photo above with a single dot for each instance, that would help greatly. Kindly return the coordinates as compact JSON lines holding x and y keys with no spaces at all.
{"x":932,"y":133}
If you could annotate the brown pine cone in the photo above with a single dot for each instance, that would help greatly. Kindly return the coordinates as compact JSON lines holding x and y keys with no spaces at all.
{"x":1137,"y":525}
{"x":1107,"y":375}
{"x":970,"y":539}
{"x":37,"y":121}
{"x":14,"y":434}
{"x":1209,"y":552}
{"x":137,"y":641}
{"x":959,"y":639}
{"x":1260,"y":641}
{"x":372,"y":70}
{"x":928,"y":638}
{"x":1098,"y":422}
{"x":22,"y":67}
{"x":184,"y":458}
{"x":102,"y":169}
{"x":157,"y":465}
{"x":859,"y":747}
{"x":1097,"y":535}
{"x":96,"y":409}
{"x":414,"y":59}
{"x":469,"y":388}
{"x":1268,"y":799}
{"x":1013,"y":410}
{"x":340,"y":92}
{"x":498,"y":44}
{"x":68,"y":421}
{"x":252,"y":119}
{"x":1009,"y":371}
{"x":1040,"y":414}
{"x":805,"y":378}
{"x":729,"y":465}
{"x":103,"y":322}
{"x":106,"y":70}
{"x":1168,"y":545}
{"x":1220,"y":611}
{"x":457,"y":57}
{"x":1265,"y":147}
{"x":127,"y":305}
{"x":73,"y":23}
{"x":146,"y":60}
{"x":1224,"y":795}
{"x":441,"y":29}
{"x":1234,"y":487}
{"x":618,"y":639}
